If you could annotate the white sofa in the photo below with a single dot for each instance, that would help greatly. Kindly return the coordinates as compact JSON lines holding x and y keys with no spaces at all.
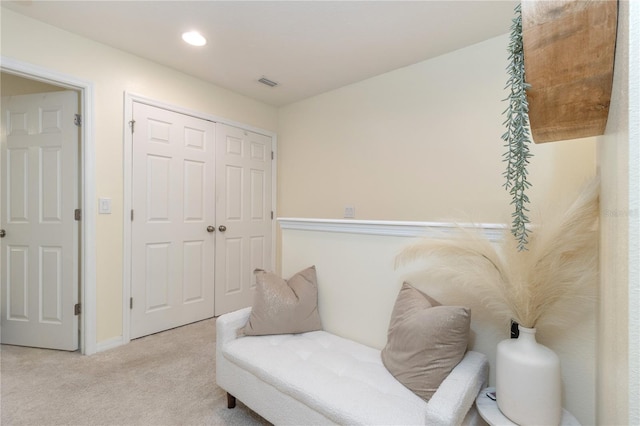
{"x":321,"y":378}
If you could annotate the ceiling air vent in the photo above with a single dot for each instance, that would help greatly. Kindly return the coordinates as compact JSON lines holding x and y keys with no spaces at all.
{"x":268,"y":82}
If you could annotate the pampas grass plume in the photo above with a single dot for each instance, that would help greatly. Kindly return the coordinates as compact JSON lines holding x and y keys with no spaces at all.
{"x":548,"y":284}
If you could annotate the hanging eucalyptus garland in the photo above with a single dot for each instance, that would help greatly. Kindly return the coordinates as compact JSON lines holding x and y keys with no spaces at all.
{"x":517,"y":136}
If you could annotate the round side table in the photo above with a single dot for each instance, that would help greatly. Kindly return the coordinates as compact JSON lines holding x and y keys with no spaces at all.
{"x":489,"y":411}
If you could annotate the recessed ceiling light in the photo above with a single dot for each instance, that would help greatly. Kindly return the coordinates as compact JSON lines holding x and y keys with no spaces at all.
{"x":194,"y":38}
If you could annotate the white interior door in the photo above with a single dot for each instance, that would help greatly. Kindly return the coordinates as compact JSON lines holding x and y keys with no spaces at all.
{"x":38,"y":196}
{"x":243,"y":214}
{"x":172,"y":277}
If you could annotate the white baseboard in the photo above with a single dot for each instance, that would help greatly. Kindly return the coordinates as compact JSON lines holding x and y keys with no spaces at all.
{"x":109,"y":344}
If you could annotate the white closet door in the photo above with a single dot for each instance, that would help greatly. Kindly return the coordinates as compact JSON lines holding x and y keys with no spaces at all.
{"x":243,"y":214}
{"x":172,"y":278}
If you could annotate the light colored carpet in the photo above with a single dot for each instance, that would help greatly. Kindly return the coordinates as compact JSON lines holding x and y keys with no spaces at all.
{"x":164,"y":379}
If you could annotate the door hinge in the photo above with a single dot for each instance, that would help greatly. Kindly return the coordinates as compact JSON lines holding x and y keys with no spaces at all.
{"x":77,"y":120}
{"x":131,"y":215}
{"x":77,"y":214}
{"x":132,"y":125}
{"x":77,"y":309}
{"x":271,"y":214}
{"x":131,"y":303}
{"x":272,"y":155}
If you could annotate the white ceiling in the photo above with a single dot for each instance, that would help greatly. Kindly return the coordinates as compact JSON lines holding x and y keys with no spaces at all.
{"x":308,"y":47}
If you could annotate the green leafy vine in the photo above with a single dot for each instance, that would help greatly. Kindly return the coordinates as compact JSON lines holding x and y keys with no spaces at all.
{"x":517,"y":136}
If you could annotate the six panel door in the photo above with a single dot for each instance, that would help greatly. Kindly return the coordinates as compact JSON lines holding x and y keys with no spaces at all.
{"x":243,"y":214}
{"x":172,"y":277}
{"x":38,"y":196}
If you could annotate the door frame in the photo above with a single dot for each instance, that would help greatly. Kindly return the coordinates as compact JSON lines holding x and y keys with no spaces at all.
{"x":87,"y":188}
{"x":129,"y":99}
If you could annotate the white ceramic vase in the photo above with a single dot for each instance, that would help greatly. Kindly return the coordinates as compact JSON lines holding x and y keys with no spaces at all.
{"x":528,"y":383}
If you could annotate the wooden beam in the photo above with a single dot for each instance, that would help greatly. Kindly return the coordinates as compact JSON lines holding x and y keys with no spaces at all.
{"x":569,"y":49}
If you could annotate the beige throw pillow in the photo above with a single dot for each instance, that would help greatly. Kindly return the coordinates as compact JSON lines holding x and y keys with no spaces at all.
{"x":425,"y":341}
{"x":284,"y":306}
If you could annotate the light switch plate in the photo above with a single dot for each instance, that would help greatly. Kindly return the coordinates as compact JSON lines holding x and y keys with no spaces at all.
{"x":104,"y":205}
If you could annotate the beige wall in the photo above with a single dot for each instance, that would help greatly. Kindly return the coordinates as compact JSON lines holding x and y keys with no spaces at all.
{"x":16,"y":85}
{"x":619,"y":163}
{"x":113,"y":72}
{"x":422,"y":143}
{"x":419,"y":143}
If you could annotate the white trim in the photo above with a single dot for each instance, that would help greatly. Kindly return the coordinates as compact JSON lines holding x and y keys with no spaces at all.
{"x":88,"y":189}
{"x":493,"y":232}
{"x":193,"y":113}
{"x":634,"y":218}
{"x":112,"y":343}
{"x":127,"y":161}
{"x":274,"y":205}
{"x":129,"y":99}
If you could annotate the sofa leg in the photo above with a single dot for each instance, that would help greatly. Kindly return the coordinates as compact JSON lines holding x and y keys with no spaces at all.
{"x":231,"y":401}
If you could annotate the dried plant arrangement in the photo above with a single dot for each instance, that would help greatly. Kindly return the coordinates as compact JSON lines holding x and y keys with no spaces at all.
{"x":540,"y":286}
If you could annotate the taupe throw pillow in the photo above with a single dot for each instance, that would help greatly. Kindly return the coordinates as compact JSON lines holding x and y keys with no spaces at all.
{"x":425,"y":341}
{"x":284,"y":306}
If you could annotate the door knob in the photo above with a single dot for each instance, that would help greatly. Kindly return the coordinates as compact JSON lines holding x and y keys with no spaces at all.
{"x":210,"y":228}
{"x":222,"y":228}
{"x":2,"y":233}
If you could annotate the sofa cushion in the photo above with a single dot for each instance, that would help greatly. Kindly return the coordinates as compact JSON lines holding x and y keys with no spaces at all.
{"x":425,"y":340}
{"x":339,"y":378}
{"x":284,"y":306}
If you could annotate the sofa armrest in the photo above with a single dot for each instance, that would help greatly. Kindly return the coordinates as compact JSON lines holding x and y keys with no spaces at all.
{"x":458,"y":392}
{"x":227,"y":325}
